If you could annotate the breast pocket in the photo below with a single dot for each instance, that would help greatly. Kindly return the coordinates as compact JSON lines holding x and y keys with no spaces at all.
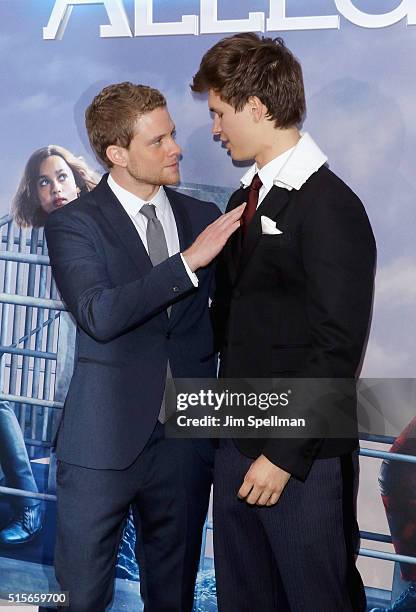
{"x":276,"y":241}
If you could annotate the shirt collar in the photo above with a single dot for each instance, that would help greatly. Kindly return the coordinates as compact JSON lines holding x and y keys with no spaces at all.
{"x":132,"y":204}
{"x":292,"y":168}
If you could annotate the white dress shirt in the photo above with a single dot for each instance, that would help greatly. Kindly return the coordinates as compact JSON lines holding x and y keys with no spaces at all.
{"x":132,"y":205}
{"x":289,"y":170}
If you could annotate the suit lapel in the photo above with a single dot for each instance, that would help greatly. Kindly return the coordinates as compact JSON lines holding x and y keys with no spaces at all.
{"x":232,"y":249}
{"x":183,"y":222}
{"x":272,"y":205}
{"x":122,"y":225}
{"x":185,"y":235}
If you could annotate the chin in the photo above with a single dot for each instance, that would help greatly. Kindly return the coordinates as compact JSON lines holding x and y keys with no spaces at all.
{"x":48,"y":209}
{"x":173,"y":179}
{"x":241,"y":157}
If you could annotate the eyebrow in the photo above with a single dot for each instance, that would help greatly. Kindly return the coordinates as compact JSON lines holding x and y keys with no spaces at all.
{"x":56,"y":172}
{"x":155,"y":138}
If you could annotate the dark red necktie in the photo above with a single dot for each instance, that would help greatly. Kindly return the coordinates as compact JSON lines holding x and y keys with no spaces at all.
{"x":252,"y":200}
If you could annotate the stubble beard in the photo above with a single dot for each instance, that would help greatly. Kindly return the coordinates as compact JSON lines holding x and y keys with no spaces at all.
{"x":156,"y":179}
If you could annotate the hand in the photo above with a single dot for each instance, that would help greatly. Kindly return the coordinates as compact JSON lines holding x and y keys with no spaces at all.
{"x":264,"y":483}
{"x":212,"y":240}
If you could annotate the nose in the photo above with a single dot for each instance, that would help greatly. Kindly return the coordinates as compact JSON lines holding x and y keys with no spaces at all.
{"x":216,"y":126}
{"x":56,"y":187}
{"x":175,"y":148}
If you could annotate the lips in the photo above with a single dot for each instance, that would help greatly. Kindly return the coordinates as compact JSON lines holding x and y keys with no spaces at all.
{"x":59,"y":202}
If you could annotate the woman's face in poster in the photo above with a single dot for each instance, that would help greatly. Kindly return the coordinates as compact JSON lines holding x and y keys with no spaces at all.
{"x":56,"y":184}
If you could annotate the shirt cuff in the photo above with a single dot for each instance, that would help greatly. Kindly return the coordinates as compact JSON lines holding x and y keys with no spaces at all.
{"x":191,"y":274}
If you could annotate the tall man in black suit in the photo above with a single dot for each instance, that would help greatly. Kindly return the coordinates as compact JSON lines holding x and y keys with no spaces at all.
{"x":124,"y":257}
{"x":293,"y":298}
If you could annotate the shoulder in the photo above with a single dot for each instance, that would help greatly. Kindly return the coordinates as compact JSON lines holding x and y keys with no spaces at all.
{"x":325,"y":186}
{"x":88,"y":204}
{"x":327,"y":203}
{"x":81,"y":213}
{"x":326,"y":195}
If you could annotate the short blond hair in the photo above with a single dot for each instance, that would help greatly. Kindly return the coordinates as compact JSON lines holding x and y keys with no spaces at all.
{"x":111,"y":116}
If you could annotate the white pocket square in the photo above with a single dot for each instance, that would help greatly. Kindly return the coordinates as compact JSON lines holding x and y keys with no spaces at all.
{"x":268,"y":226}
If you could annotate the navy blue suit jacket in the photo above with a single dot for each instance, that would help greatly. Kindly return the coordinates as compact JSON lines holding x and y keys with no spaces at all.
{"x":124,"y":336}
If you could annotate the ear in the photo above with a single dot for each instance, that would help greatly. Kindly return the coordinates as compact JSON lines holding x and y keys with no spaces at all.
{"x":117,"y":155}
{"x":257,"y":109}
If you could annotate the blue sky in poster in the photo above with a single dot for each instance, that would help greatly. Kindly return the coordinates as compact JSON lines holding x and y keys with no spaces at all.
{"x":360,"y":92}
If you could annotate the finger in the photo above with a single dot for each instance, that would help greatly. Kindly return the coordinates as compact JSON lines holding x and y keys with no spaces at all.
{"x":232,"y":228}
{"x":254,"y":495}
{"x":238,"y":211}
{"x":273,"y":499}
{"x":227,"y":218}
{"x":223,"y":223}
{"x":239,"y":207}
{"x":244,"y":489}
{"x":264,"y":497}
{"x":234,"y":213}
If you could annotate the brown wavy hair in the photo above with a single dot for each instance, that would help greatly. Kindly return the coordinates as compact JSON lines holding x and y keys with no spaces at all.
{"x":26,"y":208}
{"x":246,"y":65}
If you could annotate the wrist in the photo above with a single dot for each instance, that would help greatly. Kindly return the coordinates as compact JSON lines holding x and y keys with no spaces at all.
{"x":191,"y":259}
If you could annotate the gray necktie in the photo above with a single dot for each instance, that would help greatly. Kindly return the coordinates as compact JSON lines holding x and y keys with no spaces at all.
{"x":155,"y":236}
{"x":158,"y":252}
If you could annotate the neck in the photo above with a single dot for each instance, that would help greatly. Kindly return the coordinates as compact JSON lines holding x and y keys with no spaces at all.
{"x":124,"y":179}
{"x":275,"y":143}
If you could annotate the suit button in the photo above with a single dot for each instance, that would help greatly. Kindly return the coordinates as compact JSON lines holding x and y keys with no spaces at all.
{"x":236,"y":294}
{"x":175,"y":289}
{"x":168,"y":335}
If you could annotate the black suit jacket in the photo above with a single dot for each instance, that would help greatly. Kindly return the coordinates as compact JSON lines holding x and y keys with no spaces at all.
{"x":298,"y":303}
{"x":124,"y":336}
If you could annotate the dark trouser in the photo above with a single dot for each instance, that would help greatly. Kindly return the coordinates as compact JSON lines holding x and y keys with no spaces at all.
{"x":14,"y":460}
{"x":297,"y":556}
{"x":168,"y":486}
